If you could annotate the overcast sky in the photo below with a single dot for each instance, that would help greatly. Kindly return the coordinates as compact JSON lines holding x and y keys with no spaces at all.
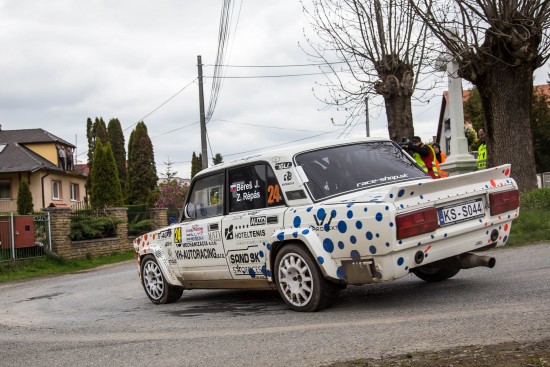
{"x":64,"y":61}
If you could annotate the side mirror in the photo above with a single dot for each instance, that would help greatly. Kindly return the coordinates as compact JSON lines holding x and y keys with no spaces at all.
{"x":190,"y":211}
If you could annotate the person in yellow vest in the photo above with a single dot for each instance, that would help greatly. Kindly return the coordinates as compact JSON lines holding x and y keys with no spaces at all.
{"x":424,"y":155}
{"x":440,"y":157}
{"x":481,"y":150}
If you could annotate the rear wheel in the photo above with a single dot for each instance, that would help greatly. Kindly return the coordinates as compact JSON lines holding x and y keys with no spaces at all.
{"x":435,"y":274}
{"x":156,"y":287}
{"x":300,"y":281}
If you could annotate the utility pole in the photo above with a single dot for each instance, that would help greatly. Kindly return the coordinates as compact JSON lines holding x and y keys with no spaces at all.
{"x":367,"y":115}
{"x":204,"y":150}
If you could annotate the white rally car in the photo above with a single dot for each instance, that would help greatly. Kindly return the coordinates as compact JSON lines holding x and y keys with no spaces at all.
{"x":310,"y":220}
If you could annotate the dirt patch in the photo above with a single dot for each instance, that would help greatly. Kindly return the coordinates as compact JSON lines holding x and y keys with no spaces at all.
{"x":512,"y":354}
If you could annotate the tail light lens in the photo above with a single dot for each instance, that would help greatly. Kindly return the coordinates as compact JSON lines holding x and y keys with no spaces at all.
{"x":415,"y":223}
{"x":504,"y":201}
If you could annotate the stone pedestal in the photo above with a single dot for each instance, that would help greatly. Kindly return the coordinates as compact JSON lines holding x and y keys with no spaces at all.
{"x":159,"y":216}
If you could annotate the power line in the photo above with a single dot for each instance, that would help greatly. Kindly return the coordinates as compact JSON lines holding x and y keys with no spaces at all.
{"x":268,"y":127}
{"x":161,"y":105}
{"x":279,"y":66}
{"x":176,"y":129}
{"x":265,"y":76}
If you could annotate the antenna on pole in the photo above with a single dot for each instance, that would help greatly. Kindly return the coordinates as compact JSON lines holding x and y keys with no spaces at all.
{"x":367,"y":115}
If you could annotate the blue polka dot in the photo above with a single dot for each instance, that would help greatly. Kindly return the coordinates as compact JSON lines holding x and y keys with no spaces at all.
{"x":264,"y":270}
{"x":328,"y":245}
{"x":333,"y":214}
{"x":391,"y":196}
{"x":391,"y":224}
{"x":365,"y":209}
{"x":349,"y":214}
{"x":261,"y":253}
{"x":432,"y":236}
{"x":379,"y":217}
{"x":340,"y":273}
{"x":355,"y":255}
{"x":387,"y":207}
{"x":401,"y":193}
{"x":327,"y":227}
{"x":251,"y":272}
{"x":321,"y":214}
{"x":342,"y":226}
{"x":320,"y":259}
{"x":505,"y":239}
{"x":349,"y":205}
{"x":295,"y":234}
{"x":268,"y":247}
{"x":305,"y":231}
{"x":309,"y":209}
{"x":280,"y":236}
{"x":400,"y":242}
{"x":426,"y":255}
{"x":400,"y":261}
{"x":387,"y":244}
{"x":401,"y":206}
{"x":340,"y":245}
{"x":359,"y":225}
{"x":297,"y":221}
{"x":421,"y":196}
{"x":372,"y":250}
{"x":445,"y":235}
{"x":412,"y":193}
{"x":369,"y":235}
{"x":268,"y":273}
{"x":378,"y":235}
{"x":353,"y":239}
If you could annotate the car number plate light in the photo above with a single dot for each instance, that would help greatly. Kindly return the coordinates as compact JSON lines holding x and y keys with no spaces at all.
{"x":461,"y":212}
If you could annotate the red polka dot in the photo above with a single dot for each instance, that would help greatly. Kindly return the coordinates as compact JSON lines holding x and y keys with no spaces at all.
{"x":486,"y":224}
{"x":493,"y":183}
{"x":507,"y":172}
{"x":489,"y":240}
{"x":145,"y":237}
{"x":506,"y":227}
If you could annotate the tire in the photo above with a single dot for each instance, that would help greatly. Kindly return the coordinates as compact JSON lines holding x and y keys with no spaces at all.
{"x":300,"y":281}
{"x":435,"y":274}
{"x":155,"y":285}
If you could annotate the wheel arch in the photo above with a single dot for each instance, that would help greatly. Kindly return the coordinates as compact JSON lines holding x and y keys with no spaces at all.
{"x":159,"y":255}
{"x":307,"y":238}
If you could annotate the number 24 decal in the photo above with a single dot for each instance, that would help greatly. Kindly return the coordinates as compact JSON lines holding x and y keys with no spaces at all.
{"x":274,"y":194}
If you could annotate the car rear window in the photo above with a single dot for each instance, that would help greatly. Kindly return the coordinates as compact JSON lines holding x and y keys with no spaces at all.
{"x":341,"y":169}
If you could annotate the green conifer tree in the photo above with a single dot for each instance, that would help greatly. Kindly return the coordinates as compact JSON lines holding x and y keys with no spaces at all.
{"x":217,"y":159}
{"x":24,"y":199}
{"x":116,"y":138}
{"x":106,"y":189}
{"x":101,"y":131}
{"x":196,"y":164}
{"x":142,"y":173}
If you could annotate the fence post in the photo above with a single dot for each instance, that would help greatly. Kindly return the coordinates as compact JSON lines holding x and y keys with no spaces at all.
{"x":159,"y":216}
{"x":60,"y":228}
{"x":12,"y":224}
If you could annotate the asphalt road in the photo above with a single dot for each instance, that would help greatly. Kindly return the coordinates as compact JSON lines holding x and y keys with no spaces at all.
{"x":103,"y":318}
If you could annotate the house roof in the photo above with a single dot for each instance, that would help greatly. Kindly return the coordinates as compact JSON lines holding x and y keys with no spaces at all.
{"x":15,"y":157}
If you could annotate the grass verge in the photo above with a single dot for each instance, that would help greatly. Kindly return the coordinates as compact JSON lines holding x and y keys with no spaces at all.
{"x":45,"y":266}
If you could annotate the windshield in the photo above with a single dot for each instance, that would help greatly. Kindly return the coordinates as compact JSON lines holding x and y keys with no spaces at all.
{"x":347,"y":168}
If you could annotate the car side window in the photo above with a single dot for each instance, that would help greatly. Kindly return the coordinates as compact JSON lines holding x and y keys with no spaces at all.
{"x":206,"y":199}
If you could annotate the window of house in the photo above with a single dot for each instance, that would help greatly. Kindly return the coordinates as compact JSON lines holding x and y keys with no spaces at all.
{"x":74,"y":192}
{"x":206,"y":199}
{"x":5,"y":189}
{"x":253,"y":187}
{"x":56,"y":190}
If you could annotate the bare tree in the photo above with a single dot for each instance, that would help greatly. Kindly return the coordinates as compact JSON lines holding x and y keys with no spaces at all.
{"x":498,"y":44}
{"x":379,"y":48}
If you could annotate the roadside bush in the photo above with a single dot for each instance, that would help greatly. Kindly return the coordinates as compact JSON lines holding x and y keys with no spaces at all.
{"x":139,"y":227}
{"x":89,"y":228}
{"x":536,"y":199}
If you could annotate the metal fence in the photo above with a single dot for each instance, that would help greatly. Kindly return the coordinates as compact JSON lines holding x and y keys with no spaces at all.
{"x":24,"y":236}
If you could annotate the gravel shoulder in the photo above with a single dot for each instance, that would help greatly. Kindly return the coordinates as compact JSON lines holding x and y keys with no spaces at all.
{"x":511,"y":354}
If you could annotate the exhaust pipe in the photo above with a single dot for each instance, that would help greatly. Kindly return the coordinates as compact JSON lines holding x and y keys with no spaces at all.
{"x":469,"y":260}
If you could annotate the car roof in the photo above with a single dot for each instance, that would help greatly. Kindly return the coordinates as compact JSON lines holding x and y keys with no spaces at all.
{"x":284,"y":154}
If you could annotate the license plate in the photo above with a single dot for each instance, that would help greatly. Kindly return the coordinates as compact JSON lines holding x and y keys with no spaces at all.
{"x":461,"y":212}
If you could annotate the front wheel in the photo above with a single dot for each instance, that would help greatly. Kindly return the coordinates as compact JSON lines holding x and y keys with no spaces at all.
{"x":156,"y":287}
{"x":300,"y":281}
{"x":435,"y":274}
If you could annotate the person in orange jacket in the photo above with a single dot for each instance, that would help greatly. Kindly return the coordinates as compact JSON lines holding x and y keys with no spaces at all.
{"x":440,"y":157}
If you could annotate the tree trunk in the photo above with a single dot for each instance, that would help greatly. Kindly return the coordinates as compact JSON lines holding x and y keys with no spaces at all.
{"x":506,"y":94}
{"x":399,"y":115}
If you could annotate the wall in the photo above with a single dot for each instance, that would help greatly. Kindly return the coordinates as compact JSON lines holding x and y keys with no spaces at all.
{"x":66,"y":180}
{"x":46,"y":150}
{"x":63,"y":246}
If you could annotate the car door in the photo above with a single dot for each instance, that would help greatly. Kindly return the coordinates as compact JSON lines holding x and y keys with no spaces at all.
{"x":198,"y":241}
{"x":256,"y":208}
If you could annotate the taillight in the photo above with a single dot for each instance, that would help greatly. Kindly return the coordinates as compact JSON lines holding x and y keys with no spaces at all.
{"x":415,"y":223}
{"x":504,"y":201}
